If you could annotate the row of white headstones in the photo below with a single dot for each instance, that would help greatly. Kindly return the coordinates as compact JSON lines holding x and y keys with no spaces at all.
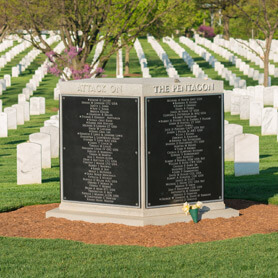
{"x":17,"y":114}
{"x":249,"y":103}
{"x":36,"y":154}
{"x":241,"y":148}
{"x":241,"y":65}
{"x":243,"y":48}
{"x":236,"y":146}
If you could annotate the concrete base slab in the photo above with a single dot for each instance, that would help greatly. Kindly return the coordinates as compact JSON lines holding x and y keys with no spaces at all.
{"x":138,"y":220}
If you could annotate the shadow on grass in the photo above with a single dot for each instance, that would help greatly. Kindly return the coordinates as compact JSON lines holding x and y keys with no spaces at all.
{"x":51,"y":180}
{"x":264,"y":156}
{"x":16,"y":142}
{"x":271,"y":170}
{"x":6,"y":154}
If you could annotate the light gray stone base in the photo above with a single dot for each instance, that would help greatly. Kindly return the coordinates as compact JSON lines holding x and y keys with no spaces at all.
{"x":138,"y":217}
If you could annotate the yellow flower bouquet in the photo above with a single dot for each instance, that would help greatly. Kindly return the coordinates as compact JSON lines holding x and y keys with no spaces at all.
{"x":192,"y":210}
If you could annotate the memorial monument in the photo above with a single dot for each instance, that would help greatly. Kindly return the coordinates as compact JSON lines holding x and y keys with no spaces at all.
{"x":132,"y":151}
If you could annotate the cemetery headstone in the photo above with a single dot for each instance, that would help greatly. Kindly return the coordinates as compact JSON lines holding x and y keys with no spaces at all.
{"x":244,"y":107}
{"x":51,"y":123}
{"x":53,"y":131}
{"x":12,"y":120}
{"x":44,"y":140}
{"x":256,"y":109}
{"x":19,"y":114}
{"x":269,"y":121}
{"x":246,"y":155}
{"x":3,"y":124}
{"x":29,"y":163}
{"x":26,"y":106}
{"x":34,"y":106}
{"x":7,"y":78}
{"x":42,"y":105}
{"x":235,"y":103}
{"x":21,"y":97}
{"x":231,"y":131}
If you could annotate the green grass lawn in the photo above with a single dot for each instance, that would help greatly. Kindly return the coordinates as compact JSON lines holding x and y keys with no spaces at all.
{"x":254,"y":256}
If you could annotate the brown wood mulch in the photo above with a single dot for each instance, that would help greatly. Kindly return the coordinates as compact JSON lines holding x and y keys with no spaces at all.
{"x":30,"y":222}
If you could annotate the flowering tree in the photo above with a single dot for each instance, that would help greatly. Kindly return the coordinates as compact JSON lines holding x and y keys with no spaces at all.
{"x":82,"y":24}
{"x":206,"y":31}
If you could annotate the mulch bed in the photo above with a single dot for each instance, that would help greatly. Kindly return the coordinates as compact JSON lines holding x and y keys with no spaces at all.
{"x":30,"y":222}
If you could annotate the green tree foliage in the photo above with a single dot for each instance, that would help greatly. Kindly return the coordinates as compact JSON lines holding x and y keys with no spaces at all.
{"x":262,"y":17}
{"x":225,"y":8}
{"x":83,"y":23}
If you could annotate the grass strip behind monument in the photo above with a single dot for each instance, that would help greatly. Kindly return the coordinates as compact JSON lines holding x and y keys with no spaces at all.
{"x":253,"y":256}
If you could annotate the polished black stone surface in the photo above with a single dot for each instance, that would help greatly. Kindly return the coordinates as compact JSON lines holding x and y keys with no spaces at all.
{"x":100,"y":150}
{"x":184,"y":155}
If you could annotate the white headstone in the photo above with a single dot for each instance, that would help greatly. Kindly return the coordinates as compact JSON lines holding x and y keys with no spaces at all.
{"x":54,"y":117}
{"x":34,"y":106}
{"x":268,"y":96}
{"x":7,"y":77}
{"x":56,"y":93}
{"x":51,"y":123}
{"x":3,"y":124}
{"x":259,"y":93}
{"x":235,"y":103}
{"x":19,"y":114}
{"x":3,"y":83}
{"x":12,"y":122}
{"x":246,"y":155}
{"x":275,"y":99}
{"x":44,"y":140}
{"x":269,"y":121}
{"x":26,"y":106}
{"x":231,"y":130}
{"x":29,"y":163}
{"x":256,"y":109}
{"x":27,"y":93}
{"x":53,"y":131}
{"x":15,"y":72}
{"x":244,"y":107}
{"x":0,"y":105}
{"x":21,"y":97}
{"x":227,"y":101}
{"x":42,"y":105}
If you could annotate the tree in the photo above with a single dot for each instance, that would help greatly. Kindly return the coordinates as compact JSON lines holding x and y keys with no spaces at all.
{"x":178,"y":16}
{"x":262,"y":14}
{"x":4,"y":20}
{"x":83,"y":23}
{"x":226,"y":8}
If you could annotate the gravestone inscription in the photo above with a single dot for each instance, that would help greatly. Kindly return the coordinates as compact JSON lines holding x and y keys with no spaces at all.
{"x":184,"y":155}
{"x":102,"y":134}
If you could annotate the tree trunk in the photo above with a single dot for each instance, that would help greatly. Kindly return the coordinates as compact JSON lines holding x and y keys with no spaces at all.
{"x":268,"y":42}
{"x":118,"y":64}
{"x":127,"y":51}
{"x":226,"y":23}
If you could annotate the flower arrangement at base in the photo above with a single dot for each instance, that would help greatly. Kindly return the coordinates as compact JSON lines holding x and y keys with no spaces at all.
{"x":192,"y":210}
